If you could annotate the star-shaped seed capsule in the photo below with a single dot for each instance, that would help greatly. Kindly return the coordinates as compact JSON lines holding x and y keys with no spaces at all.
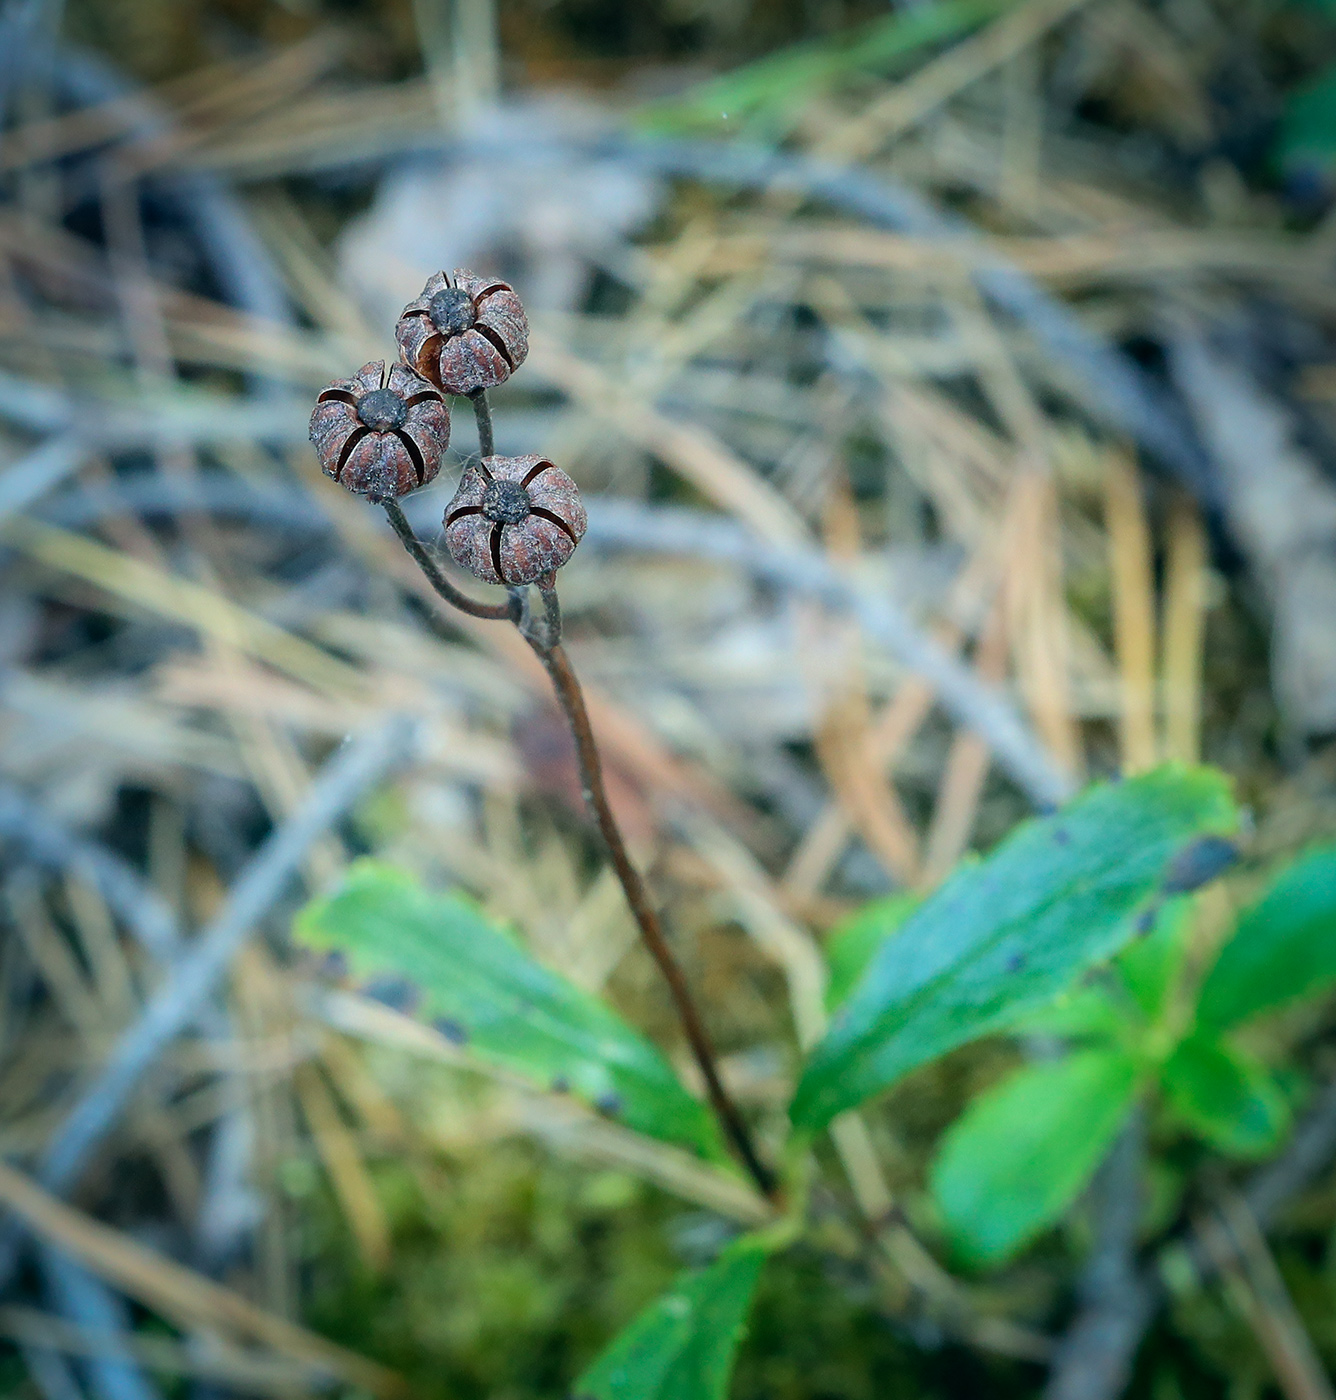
{"x":514,"y":520}
{"x":464,"y":332}
{"x":381,"y":434}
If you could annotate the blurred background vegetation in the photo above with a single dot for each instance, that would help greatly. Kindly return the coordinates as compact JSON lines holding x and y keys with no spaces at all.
{"x":1018,"y":313}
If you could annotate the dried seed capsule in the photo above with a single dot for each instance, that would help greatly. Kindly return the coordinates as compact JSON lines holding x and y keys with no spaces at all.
{"x":514,"y":520}
{"x":381,"y":435}
{"x":464,"y":332}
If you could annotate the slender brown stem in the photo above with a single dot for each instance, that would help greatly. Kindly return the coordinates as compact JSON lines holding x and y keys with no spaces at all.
{"x":493,"y":612}
{"x":544,"y":636}
{"x":551,"y":615}
{"x":570,"y":695}
{"x":482,"y":413}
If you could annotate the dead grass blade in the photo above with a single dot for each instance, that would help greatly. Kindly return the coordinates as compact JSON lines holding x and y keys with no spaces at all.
{"x":1236,"y":1246}
{"x":176,"y":1292}
{"x":1132,"y":586}
{"x":1184,"y":630}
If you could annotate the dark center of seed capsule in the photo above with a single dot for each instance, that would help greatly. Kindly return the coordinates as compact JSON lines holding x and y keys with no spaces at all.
{"x":382,"y":410}
{"x":451,"y":311}
{"x":505,"y":502}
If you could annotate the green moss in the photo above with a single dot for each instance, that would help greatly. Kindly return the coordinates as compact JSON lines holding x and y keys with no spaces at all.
{"x":510,"y":1270}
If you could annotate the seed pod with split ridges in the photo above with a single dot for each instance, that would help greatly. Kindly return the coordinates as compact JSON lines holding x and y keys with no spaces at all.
{"x":381,"y":435}
{"x":514,"y":520}
{"x":464,"y":332}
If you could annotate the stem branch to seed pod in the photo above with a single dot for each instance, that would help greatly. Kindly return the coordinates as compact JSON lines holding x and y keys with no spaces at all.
{"x":492,"y":612}
{"x":482,"y":413}
{"x":551,"y":614}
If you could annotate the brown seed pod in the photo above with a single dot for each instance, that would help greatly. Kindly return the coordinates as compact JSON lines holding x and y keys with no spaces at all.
{"x":381,"y":435}
{"x":464,"y":332}
{"x":514,"y":520}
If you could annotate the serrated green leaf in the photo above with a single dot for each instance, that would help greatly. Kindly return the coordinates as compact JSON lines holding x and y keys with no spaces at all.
{"x":1226,"y":1097}
{"x":854,"y":940}
{"x":1008,"y":934}
{"x":682,"y":1346}
{"x":485,"y":992}
{"x":1021,"y":1153}
{"x":1284,"y":946}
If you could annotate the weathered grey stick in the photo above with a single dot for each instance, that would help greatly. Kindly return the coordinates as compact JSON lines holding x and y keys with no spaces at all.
{"x":193,"y":977}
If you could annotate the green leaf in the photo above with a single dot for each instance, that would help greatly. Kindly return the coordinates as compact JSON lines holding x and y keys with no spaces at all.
{"x":854,"y":940}
{"x":1007,"y":934}
{"x":682,"y":1346}
{"x":766,"y":95}
{"x":485,"y":992}
{"x":1081,"y":1014}
{"x":1227,"y":1098}
{"x":1284,"y":947}
{"x":1021,"y":1153}
{"x":1308,"y":126}
{"x":1120,"y":1004}
{"x":1149,"y":965}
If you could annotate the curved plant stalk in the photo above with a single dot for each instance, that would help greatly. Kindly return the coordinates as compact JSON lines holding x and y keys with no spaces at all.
{"x":544,"y":636}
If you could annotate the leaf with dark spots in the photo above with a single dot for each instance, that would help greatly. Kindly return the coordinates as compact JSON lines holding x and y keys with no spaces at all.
{"x":1198,"y":864}
{"x":947,"y":977}
{"x":483,"y":992}
{"x":395,"y":992}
